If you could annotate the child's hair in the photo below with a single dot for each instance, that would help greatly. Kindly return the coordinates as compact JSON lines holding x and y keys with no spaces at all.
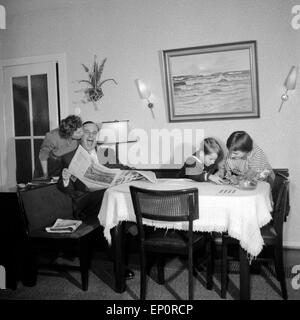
{"x":211,"y":145}
{"x":239,"y":141}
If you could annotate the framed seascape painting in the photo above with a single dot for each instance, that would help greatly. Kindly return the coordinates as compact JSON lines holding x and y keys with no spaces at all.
{"x":212,"y":82}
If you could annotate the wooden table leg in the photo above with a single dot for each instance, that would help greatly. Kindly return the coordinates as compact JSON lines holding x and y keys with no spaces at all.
{"x":118,"y":253}
{"x":244,"y":275}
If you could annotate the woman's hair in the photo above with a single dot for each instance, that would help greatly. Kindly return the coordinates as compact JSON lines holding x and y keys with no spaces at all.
{"x":239,"y":141}
{"x":211,"y":145}
{"x":69,"y":125}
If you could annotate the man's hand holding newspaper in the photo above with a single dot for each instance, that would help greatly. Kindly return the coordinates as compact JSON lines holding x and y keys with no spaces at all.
{"x":96,"y":176}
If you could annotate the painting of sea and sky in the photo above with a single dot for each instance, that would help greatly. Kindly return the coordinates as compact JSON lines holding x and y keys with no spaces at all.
{"x":211,"y":85}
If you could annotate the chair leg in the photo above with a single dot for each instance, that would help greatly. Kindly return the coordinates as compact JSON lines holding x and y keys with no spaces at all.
{"x":244,"y":275}
{"x":160,"y":270}
{"x":143,"y":276}
{"x":29,"y":265}
{"x":224,"y":269}
{"x":150,"y":262}
{"x":279,"y":267}
{"x":213,"y":255}
{"x":84,"y":263}
{"x":191,"y":276}
{"x":209,"y":266}
{"x":118,"y":257}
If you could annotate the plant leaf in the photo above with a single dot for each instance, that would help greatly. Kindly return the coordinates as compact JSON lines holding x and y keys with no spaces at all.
{"x":95,"y":70}
{"x":87,"y":81}
{"x":95,"y":74}
{"x":101,"y":83}
{"x":86,"y":69}
{"x":100,"y":69}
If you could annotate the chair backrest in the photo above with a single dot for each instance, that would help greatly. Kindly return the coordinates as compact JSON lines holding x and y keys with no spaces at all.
{"x":165,"y":205}
{"x":280,"y":206}
{"x":277,"y":184}
{"x":43,"y":205}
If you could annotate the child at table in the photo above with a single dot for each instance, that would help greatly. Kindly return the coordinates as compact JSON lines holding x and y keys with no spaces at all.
{"x":203,"y":164}
{"x":245,"y":160}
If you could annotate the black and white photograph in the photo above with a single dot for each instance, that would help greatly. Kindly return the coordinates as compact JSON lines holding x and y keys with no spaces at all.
{"x":149,"y":154}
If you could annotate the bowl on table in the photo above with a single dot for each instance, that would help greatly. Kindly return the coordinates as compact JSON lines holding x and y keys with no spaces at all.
{"x":247,"y":184}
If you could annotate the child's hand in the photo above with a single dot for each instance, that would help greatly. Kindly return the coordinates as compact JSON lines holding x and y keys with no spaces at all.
{"x":233,"y":179}
{"x":216,"y":179}
{"x":66,"y":174}
{"x":251,"y":175}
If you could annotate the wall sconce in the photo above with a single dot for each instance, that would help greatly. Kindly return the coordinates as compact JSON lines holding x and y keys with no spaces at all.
{"x":144,"y":93}
{"x":289,"y":84}
{"x":2,"y":17}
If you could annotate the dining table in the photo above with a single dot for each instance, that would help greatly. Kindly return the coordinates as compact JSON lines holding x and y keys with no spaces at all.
{"x":222,"y":208}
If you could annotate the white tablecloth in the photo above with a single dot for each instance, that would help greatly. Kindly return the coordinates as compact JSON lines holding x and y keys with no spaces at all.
{"x":241,"y":213}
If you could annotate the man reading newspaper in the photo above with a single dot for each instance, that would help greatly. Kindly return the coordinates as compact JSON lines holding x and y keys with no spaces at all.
{"x":85,"y":179}
{"x":86,"y":203}
{"x":96,"y":176}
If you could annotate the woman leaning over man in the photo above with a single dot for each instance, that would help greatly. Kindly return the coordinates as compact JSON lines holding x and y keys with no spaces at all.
{"x":58,"y":142}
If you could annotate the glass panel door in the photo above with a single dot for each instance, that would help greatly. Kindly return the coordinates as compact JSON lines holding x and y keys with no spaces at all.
{"x":31,"y":111}
{"x":39,"y":94}
{"x":21,"y":106}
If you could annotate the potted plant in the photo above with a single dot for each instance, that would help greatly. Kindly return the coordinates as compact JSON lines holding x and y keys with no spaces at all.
{"x":94,"y":90}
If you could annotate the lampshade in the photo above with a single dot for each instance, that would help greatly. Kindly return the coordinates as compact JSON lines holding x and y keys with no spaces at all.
{"x":291,"y":79}
{"x":2,"y":17}
{"x":143,"y":91}
{"x":113,"y":132}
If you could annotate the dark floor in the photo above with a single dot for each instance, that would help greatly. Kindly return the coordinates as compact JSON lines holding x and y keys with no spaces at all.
{"x":66,"y":285}
{"x":101,"y":251}
{"x":291,"y":257}
{"x":101,"y":282}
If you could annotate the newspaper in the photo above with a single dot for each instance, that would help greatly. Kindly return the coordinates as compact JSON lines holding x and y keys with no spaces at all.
{"x":96,"y":176}
{"x":64,"y":226}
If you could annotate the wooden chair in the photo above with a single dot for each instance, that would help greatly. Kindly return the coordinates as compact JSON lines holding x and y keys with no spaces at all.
{"x":41,"y":207}
{"x":174,"y":206}
{"x":272,"y":236}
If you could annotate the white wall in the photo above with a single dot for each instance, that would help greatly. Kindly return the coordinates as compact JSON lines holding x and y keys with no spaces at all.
{"x":130,"y":33}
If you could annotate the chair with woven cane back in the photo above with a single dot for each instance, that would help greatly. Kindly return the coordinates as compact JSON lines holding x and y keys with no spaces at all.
{"x":169,"y":206}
